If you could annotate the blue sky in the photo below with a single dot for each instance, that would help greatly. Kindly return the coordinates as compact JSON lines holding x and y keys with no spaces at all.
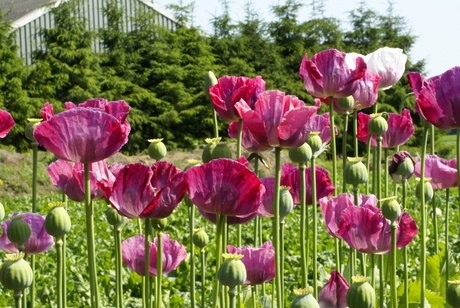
{"x":435,"y":23}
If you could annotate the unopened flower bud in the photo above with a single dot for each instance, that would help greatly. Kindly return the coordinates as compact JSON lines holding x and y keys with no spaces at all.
{"x":361,"y":294}
{"x":377,"y":125}
{"x":355,"y":172}
{"x":114,"y":218}
{"x":315,"y":142}
{"x":30,"y":127}
{"x":157,"y":149}
{"x":453,"y":293}
{"x":391,"y":209}
{"x":57,"y":222}
{"x":304,"y":299}
{"x":346,"y":103}
{"x":200,"y":238}
{"x":232,"y":271}
{"x":209,"y":80}
{"x":286,"y":202}
{"x":16,"y":273}
{"x":427,"y":189}
{"x":300,"y":155}
{"x":159,"y":224}
{"x":18,"y":231}
{"x":402,"y":166}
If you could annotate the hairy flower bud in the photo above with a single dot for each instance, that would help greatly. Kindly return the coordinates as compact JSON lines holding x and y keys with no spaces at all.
{"x":30,"y":127}
{"x":157,"y":149}
{"x":286,"y":202}
{"x":209,"y":80}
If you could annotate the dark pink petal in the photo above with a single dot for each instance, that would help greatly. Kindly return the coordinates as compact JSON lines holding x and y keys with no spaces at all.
{"x":6,"y":123}
{"x":82,"y":135}
{"x":443,"y":174}
{"x":266,"y":209}
{"x":259,"y":262}
{"x":322,"y":124}
{"x":173,"y":254}
{"x":231,"y":220}
{"x":133,"y":254}
{"x":334,"y":292}
{"x":366,"y":92}
{"x":47,"y":111}
{"x":406,"y":230}
{"x":247,"y":141}
{"x":224,"y":187}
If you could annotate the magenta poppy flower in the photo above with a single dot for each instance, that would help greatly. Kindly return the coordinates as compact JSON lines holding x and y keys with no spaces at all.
{"x":398,"y":169}
{"x":259,"y":262}
{"x":277,"y":120}
{"x":6,"y":123}
{"x":39,"y":241}
{"x":133,"y":254}
{"x":334,"y":292}
{"x":400,"y":129}
{"x":291,"y":178}
{"x":442,"y":172}
{"x":229,"y":90}
{"x":266,"y":208}
{"x":140,"y":191}
{"x":71,"y":178}
{"x":47,"y":111}
{"x":85,"y":135}
{"x":224,"y":187}
{"x":327,"y":74}
{"x":438,"y":98}
{"x":365,"y":229}
{"x":321,"y":123}
{"x":247,"y":140}
{"x":231,"y":220}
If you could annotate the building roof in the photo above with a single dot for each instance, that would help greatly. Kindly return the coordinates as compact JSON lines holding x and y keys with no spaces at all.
{"x":13,"y":10}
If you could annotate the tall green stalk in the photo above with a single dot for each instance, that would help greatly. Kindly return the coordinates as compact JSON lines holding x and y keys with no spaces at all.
{"x":34,"y":210}
{"x":146,"y":298}
{"x":64,"y":260}
{"x":404,"y":249}
{"x":355,"y":132}
{"x":314,"y":227}
{"x":394,"y":294}
{"x":276,"y":231}
{"x":446,"y":248}
{"x":344,"y":153}
{"x":119,"y":268}
{"x":59,"y":273}
{"x":159,"y":297}
{"x":191,"y":222}
{"x":203,"y":277}
{"x":378,"y":191}
{"x":333,"y":143}
{"x":303,"y":226}
{"x":220,"y":230}
{"x":90,"y":240}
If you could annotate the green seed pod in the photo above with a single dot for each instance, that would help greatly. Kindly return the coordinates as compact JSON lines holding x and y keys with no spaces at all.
{"x":428,"y":189}
{"x":315,"y":142}
{"x":114,"y":218}
{"x":377,"y":125}
{"x":355,"y":172}
{"x":221,"y":150}
{"x":232,"y":271}
{"x":300,"y":155}
{"x":346,"y":103}
{"x":30,"y":127}
{"x":16,"y":273}
{"x":192,"y":163}
{"x":2,"y":211}
{"x":159,"y":224}
{"x":391,"y":209}
{"x":453,"y":293}
{"x":361,"y":294}
{"x":200,"y":238}
{"x":209,"y":80}
{"x":304,"y":299}
{"x":18,"y":231}
{"x":211,"y":143}
{"x":286,"y":202}
{"x":57,"y":222}
{"x":157,"y":149}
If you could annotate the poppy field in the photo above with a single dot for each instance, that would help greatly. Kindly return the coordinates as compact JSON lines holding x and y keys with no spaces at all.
{"x":285,"y":218}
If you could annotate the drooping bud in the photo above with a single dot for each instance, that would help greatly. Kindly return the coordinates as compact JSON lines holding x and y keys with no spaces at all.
{"x":114,"y":218}
{"x":427,"y":189}
{"x":453,"y":293}
{"x":211,"y":143}
{"x":209,"y":80}
{"x":315,"y":142}
{"x":30,"y":127}
{"x":16,"y":273}
{"x":232,"y":271}
{"x":355,"y":172}
{"x":57,"y":222}
{"x":377,"y":125}
{"x":391,"y":209}
{"x":200,"y":238}
{"x":361,"y":294}
{"x":18,"y":231}
{"x":300,"y":155}
{"x":286,"y":202}
{"x":157,"y":149}
{"x":402,"y":166}
{"x":304,"y":299}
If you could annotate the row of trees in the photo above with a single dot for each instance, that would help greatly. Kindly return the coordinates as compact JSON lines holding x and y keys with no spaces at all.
{"x":159,"y":73}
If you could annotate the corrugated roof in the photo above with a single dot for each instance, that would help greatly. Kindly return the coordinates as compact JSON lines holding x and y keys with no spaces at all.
{"x":15,"y":9}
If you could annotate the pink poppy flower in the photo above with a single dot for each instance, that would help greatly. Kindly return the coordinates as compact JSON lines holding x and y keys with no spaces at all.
{"x":71,"y":178}
{"x":39,"y":241}
{"x":438,"y":98}
{"x":229,"y":90}
{"x":266,"y":208}
{"x":322,"y":124}
{"x":291,"y":178}
{"x":277,"y":120}
{"x":47,"y":111}
{"x":224,"y":187}
{"x":334,"y":292}
{"x":259,"y":262}
{"x":6,"y":123}
{"x":133,"y":254}
{"x":248,"y":142}
{"x":327,"y":74}
{"x":231,"y":220}
{"x":365,"y":229}
{"x":443,"y":173}
{"x":140,"y":191}
{"x":400,"y":129}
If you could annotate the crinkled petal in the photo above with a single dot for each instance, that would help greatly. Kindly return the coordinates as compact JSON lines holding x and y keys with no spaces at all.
{"x":6,"y":123}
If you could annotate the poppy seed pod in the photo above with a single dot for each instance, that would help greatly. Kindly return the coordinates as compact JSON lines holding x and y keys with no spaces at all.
{"x":361,"y":294}
{"x":16,"y":273}
{"x":300,"y":155}
{"x":355,"y":172}
{"x":428,"y":189}
{"x":232,"y":271}
{"x":157,"y":149}
{"x":114,"y":218}
{"x":57,"y":222}
{"x":221,"y":150}
{"x":286,"y":202}
{"x":192,"y":163}
{"x":346,"y":103}
{"x":315,"y":142}
{"x":211,"y":143}
{"x":18,"y":231}
{"x":200,"y":238}
{"x":304,"y":299}
{"x":29,"y":129}
{"x":377,"y":125}
{"x":159,"y":224}
{"x":391,"y":209}
{"x":453,"y":293}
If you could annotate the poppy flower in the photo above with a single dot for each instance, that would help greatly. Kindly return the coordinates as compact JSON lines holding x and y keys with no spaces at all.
{"x":277,"y":120}
{"x":133,"y":254}
{"x":400,"y":129}
{"x":224,"y":187}
{"x":442,"y":172}
{"x":321,"y":123}
{"x":229,"y":90}
{"x":402,"y":166}
{"x":85,"y":134}
{"x":231,"y":220}
{"x":266,"y":208}
{"x":259,"y":262}
{"x":39,"y":241}
{"x":248,"y":142}
{"x":334,"y":293}
{"x":71,"y":178}
{"x":438,"y":98}
{"x":6,"y":123}
{"x":327,"y":74}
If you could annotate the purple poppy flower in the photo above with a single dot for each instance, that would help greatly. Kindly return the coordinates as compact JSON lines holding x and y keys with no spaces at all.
{"x":6,"y":123}
{"x":334,"y":292}
{"x":442,"y":172}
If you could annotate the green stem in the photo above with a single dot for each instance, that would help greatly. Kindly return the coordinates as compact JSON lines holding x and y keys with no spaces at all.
{"x":333,"y":146}
{"x":385,"y":171}
{"x":203,"y":277}
{"x":17,"y":299}
{"x":303,"y":226}
{"x":232,"y":292}
{"x":355,"y":132}
{"x":276,"y":231}
{"x":368,"y":162}
{"x":90,"y":240}
{"x":215,"y":123}
{"x":159,"y":296}
{"x":344,"y":151}
{"x":220,"y":229}
{"x":64,"y":261}
{"x":282,"y":225}
{"x":406,"y":268}
{"x":394,"y":294}
{"x":446,"y":248}
{"x":59,"y":272}
{"x":191,"y":222}
{"x":434,"y":221}
{"x":378,"y":191}
{"x":146,"y":301}
{"x":314,"y":227}
{"x":423,"y":219}
{"x":119,"y":268}
{"x":34,"y":210}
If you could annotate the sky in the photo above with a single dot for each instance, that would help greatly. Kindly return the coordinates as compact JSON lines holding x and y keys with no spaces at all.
{"x":436,"y":24}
